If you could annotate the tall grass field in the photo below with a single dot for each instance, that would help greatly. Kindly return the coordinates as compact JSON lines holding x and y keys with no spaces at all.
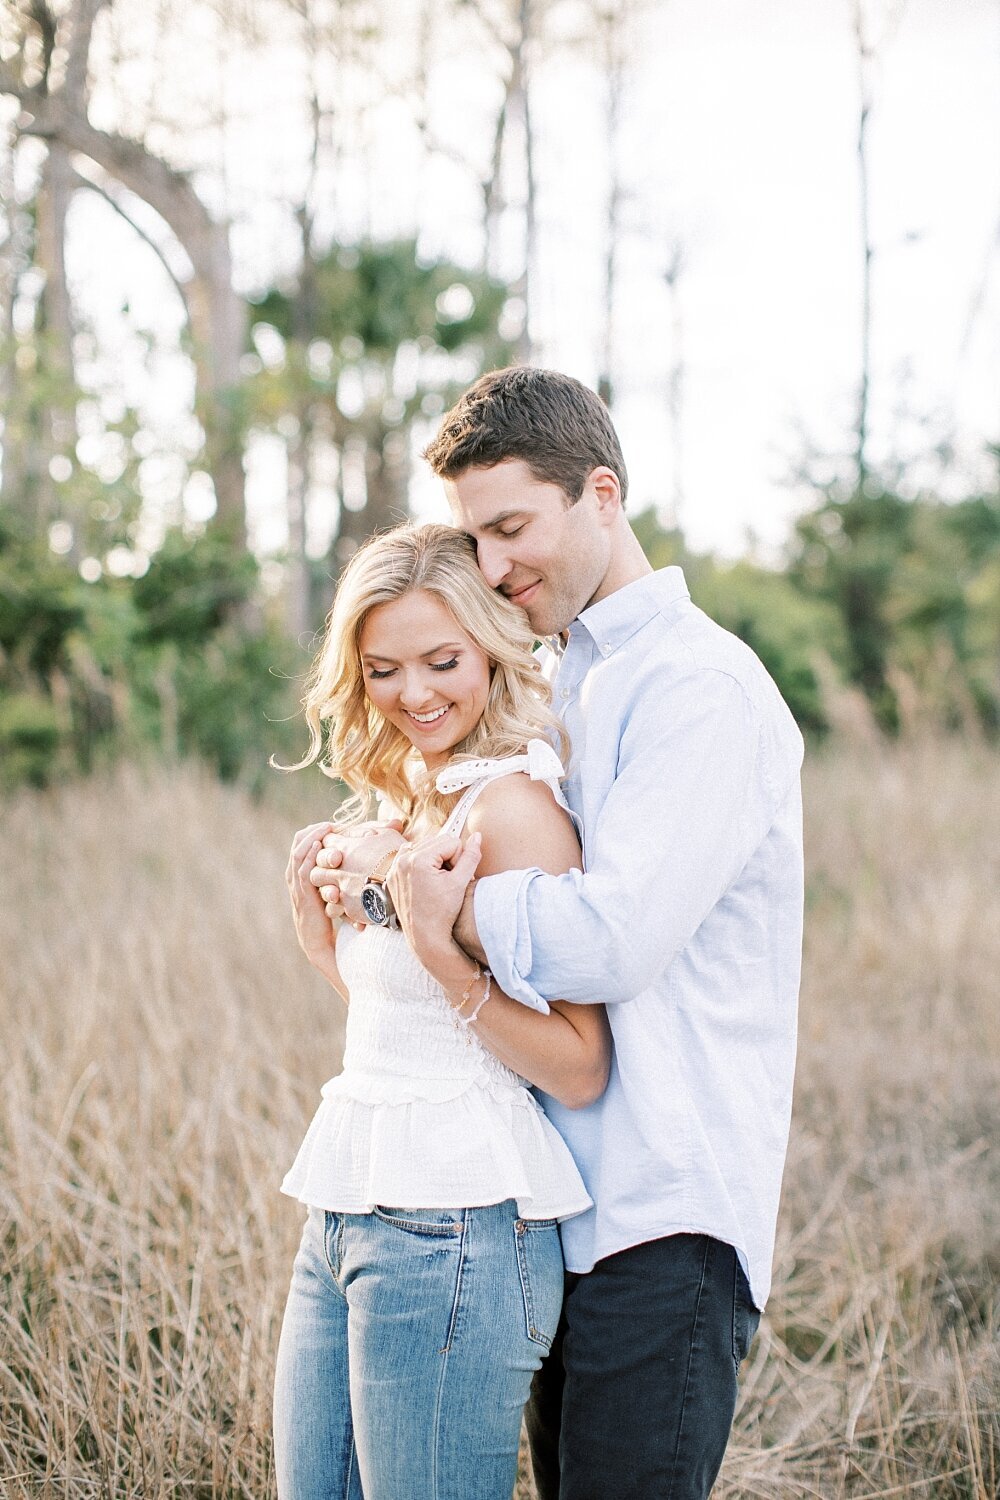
{"x":163,"y":1046}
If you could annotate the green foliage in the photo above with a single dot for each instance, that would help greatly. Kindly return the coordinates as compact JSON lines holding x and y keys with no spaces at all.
{"x":193,"y":586}
{"x":183,"y":661}
{"x":377,"y":297}
{"x":916,"y":584}
{"x":40,"y":603}
{"x":847,"y":552}
{"x":790,"y":632}
{"x":30,"y":732}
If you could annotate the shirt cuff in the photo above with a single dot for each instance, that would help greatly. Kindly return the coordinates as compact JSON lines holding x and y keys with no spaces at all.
{"x":500,"y":907}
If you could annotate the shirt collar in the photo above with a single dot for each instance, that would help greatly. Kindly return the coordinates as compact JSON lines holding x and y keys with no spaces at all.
{"x":614,"y":620}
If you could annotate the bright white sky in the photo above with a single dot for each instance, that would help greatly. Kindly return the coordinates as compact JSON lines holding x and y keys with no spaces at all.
{"x":739,"y":143}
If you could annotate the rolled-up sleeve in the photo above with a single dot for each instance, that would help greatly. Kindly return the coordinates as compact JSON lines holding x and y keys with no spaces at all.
{"x":500,"y":904}
{"x":689,"y":804}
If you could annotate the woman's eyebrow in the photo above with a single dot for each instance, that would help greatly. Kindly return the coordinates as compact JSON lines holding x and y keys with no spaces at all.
{"x":446,"y":646}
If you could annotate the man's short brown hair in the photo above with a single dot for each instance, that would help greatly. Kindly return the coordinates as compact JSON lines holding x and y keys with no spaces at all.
{"x":556,"y":425}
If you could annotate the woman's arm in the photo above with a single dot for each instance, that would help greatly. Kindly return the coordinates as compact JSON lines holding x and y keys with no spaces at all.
{"x":316,"y":933}
{"x":567,"y":1053}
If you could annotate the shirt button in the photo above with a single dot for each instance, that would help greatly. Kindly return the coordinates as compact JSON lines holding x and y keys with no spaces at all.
{"x":606,"y":646}
{"x":564,"y":693}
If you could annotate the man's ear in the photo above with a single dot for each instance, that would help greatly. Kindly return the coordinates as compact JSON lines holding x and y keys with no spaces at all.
{"x":607,"y":491}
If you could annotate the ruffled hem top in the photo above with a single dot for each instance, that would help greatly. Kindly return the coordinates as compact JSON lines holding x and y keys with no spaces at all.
{"x":423,"y":1115}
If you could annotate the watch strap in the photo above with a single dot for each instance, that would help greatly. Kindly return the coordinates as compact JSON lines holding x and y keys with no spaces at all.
{"x":377,"y":874}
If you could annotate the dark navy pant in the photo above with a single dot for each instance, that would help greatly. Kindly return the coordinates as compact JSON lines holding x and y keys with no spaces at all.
{"x":636,"y":1400}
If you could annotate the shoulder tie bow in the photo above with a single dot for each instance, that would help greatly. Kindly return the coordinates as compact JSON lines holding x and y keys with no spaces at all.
{"x":540,"y":762}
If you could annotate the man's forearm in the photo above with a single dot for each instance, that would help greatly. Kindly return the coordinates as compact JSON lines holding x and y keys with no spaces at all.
{"x":465,"y":932}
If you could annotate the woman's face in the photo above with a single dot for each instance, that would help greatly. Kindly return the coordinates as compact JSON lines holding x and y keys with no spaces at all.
{"x":423,"y":673}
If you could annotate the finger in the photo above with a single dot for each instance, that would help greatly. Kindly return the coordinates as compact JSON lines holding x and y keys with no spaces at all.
{"x":441,"y":847}
{"x":465,"y":865}
{"x":312,"y":840}
{"x":302,"y":853}
{"x":307,"y":838}
{"x":333,"y":855}
{"x":307,"y":867}
{"x":313,"y":834}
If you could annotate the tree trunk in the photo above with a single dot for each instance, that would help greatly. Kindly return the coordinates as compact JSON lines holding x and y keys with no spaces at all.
{"x":56,"y":432}
{"x":216,"y":314}
{"x":13,"y":251}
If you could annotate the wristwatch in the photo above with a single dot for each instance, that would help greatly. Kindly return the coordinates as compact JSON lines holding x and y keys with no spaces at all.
{"x":376,"y":903}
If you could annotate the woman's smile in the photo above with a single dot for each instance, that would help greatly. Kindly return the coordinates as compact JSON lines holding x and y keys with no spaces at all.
{"x":431,"y":717}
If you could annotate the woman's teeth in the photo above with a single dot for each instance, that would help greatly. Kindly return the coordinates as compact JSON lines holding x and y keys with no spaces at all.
{"x":429,"y":718}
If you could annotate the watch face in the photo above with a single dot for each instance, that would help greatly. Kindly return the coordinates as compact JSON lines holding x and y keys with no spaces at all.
{"x":375,"y":906}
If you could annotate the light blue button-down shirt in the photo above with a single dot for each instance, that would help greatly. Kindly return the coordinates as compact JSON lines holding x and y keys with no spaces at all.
{"x":686,"y":921}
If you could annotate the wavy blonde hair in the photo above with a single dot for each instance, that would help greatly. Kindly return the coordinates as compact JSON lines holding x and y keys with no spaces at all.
{"x":361,"y":747}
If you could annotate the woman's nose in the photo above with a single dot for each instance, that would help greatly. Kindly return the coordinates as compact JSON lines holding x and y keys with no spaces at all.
{"x":416,"y":690}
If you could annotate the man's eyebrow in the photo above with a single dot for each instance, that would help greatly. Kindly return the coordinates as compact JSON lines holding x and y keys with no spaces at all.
{"x":435,"y":651}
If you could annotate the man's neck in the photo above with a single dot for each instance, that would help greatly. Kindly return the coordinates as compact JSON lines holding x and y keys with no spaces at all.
{"x":628,"y":563}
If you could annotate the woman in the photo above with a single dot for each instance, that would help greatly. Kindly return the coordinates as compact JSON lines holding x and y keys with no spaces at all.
{"x":427,"y":1287}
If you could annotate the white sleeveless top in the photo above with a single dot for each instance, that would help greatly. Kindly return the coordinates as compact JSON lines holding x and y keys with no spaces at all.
{"x":423,"y":1115}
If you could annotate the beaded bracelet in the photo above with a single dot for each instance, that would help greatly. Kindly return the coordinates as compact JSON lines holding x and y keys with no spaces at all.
{"x":468,"y":1020}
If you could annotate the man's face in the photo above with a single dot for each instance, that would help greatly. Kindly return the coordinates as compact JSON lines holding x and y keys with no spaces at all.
{"x":547,"y":555}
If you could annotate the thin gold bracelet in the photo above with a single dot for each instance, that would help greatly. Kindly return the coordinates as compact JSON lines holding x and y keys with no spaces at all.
{"x":467,"y":992}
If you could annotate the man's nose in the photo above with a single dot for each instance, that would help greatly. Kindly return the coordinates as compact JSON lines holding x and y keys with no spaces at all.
{"x":493,"y":563}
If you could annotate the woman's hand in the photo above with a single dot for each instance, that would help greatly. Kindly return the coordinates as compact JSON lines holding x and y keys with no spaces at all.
{"x":316,"y":933}
{"x":343,"y":863}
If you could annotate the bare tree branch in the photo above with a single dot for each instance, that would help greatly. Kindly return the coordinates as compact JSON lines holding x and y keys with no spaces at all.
{"x":80,"y":181}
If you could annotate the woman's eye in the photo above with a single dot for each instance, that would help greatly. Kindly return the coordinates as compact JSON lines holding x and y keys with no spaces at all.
{"x":376,"y":675}
{"x":444,"y":666}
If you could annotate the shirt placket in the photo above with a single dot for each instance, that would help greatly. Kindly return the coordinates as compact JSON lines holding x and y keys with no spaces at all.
{"x":573,"y":667}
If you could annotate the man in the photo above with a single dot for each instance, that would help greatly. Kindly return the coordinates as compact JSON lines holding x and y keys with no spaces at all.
{"x":686,"y":921}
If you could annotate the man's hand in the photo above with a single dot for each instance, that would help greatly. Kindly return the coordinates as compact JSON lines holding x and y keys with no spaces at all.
{"x":358,"y":846}
{"x":428,"y":883}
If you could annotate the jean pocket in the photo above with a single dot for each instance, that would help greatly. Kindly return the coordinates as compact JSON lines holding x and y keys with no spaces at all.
{"x":540,"y":1268}
{"x":432,"y":1221}
{"x":745,"y":1317}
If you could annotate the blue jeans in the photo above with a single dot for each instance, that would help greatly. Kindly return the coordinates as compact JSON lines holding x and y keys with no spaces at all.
{"x":407,"y":1350}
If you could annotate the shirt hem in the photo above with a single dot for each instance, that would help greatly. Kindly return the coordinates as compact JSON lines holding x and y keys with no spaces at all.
{"x":560,"y":1213}
{"x":645,"y":1237}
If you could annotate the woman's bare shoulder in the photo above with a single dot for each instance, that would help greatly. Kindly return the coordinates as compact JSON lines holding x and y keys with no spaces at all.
{"x":523,"y":825}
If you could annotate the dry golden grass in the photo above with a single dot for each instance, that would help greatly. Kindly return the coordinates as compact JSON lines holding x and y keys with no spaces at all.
{"x":164,"y":1044}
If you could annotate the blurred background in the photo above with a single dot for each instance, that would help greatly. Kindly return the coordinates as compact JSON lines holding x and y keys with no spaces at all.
{"x":250,"y":252}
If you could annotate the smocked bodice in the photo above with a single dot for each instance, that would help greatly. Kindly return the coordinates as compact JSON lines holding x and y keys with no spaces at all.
{"x":401,"y":1029}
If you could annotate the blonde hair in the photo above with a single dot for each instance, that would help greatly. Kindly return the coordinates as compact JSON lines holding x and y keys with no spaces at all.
{"x":361,"y":747}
